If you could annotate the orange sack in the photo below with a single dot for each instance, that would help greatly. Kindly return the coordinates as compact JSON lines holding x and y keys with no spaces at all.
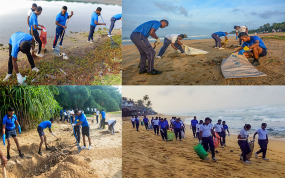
{"x":43,"y":37}
{"x":216,"y":140}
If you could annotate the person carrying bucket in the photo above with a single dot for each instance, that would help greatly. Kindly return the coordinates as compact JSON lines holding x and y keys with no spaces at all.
{"x":94,"y":23}
{"x":262,"y":141}
{"x":85,"y":127}
{"x":137,"y":121}
{"x":205,"y":138}
{"x":113,"y":20}
{"x":146,"y":122}
{"x":243,"y":142}
{"x":162,"y":127}
{"x":219,"y":129}
{"x":43,"y":125}
{"x":226,"y":128}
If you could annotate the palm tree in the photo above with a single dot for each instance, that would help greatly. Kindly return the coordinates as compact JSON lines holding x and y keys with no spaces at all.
{"x":145,"y":98}
{"x":148,"y":104}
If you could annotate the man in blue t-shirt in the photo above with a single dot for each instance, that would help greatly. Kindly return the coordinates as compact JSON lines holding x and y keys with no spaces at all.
{"x":163,"y":129}
{"x":34,"y":27}
{"x":61,"y":113}
{"x":140,"y":38}
{"x":137,"y":122}
{"x":194,"y":122}
{"x":216,"y":36}
{"x":85,"y":127}
{"x":43,"y":125}
{"x":226,"y":128}
{"x":60,"y":22}
{"x":94,"y":23}
{"x":177,"y":128}
{"x":102,"y":124}
{"x":146,"y":122}
{"x":9,"y":129}
{"x":113,"y":20}
{"x":256,"y":44}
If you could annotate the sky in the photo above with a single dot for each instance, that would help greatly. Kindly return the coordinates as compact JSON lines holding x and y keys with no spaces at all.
{"x":173,"y":99}
{"x":194,"y":17}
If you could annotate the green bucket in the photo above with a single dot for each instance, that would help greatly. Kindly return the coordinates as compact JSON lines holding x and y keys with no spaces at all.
{"x":199,"y":149}
{"x":170,"y":135}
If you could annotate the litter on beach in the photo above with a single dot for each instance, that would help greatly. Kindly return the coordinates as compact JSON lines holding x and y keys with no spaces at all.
{"x":194,"y":51}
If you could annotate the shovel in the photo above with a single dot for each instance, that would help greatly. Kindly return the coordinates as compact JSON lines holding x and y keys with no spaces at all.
{"x":56,"y":50}
{"x":4,"y":172}
{"x":113,"y":43}
{"x":78,"y":147}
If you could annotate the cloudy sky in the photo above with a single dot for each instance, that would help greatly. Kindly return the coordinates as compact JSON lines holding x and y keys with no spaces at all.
{"x":194,"y":17}
{"x":166,"y":99}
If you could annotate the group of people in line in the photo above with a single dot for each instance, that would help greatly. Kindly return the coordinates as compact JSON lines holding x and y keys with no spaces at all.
{"x":140,"y":38}
{"x":24,"y":42}
{"x":204,"y":131}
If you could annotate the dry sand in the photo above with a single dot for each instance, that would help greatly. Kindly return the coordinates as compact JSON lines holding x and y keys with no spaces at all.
{"x":104,"y":160}
{"x":203,"y":69}
{"x":146,"y":155}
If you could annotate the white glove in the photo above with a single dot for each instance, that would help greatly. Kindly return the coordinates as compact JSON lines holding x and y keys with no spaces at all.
{"x":73,"y":125}
{"x":44,"y":30}
{"x":158,"y":40}
{"x":178,"y":51}
{"x":229,"y":134}
{"x":200,"y":141}
{"x":52,"y":133}
{"x":20,"y":78}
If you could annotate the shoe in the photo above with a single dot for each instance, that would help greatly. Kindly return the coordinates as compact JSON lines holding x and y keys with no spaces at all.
{"x":48,"y":148}
{"x":256,"y":63}
{"x":256,"y":155}
{"x":266,"y":159}
{"x":83,"y":147}
{"x":110,"y":35}
{"x":216,"y":47}
{"x":90,"y":41}
{"x":158,"y":57}
{"x":214,"y":159}
{"x":247,"y":162}
{"x":223,"y":146}
{"x":113,"y":134}
{"x":62,"y":47}
{"x":239,"y":45}
{"x":142,"y":72}
{"x":39,"y":55}
{"x":8,"y":157}
{"x":22,"y":156}
{"x":7,"y":77}
{"x":89,"y":148}
{"x":154,"y":72}
{"x":180,"y":140}
{"x":40,"y":153}
{"x":36,"y":69}
{"x":109,"y":131}
{"x":206,"y":158}
{"x":221,"y":48}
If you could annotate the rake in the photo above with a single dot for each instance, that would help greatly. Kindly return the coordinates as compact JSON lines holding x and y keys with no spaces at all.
{"x":56,"y":50}
{"x":113,"y":43}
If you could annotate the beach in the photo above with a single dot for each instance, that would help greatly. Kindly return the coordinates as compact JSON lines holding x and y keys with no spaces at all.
{"x":104,"y":160}
{"x":204,"y":69}
{"x":146,"y":155}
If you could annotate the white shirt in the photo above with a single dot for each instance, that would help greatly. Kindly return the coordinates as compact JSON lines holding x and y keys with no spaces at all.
{"x":155,"y":122}
{"x":218,"y":127}
{"x":243,"y":133}
{"x":91,"y":109}
{"x":241,"y":29}
{"x":87,"y":109}
{"x":172,"y":120}
{"x":206,"y":130}
{"x":111,"y":121}
{"x":30,"y":12}
{"x":262,"y":134}
{"x":197,"y":127}
{"x":97,"y":113}
{"x":181,"y":122}
{"x":172,"y":37}
{"x":133,"y":119}
{"x":65,"y":113}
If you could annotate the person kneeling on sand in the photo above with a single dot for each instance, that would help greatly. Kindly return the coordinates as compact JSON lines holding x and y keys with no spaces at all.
{"x":19,"y":41}
{"x":262,"y":141}
{"x":216,"y":36}
{"x":111,"y":124}
{"x":9,"y":129}
{"x":177,"y":128}
{"x":42,"y":135}
{"x":205,"y":138}
{"x":256,"y":44}
{"x":140,"y":38}
{"x":243,"y":143}
{"x":162,"y":127}
{"x":174,"y":40}
{"x":85,"y":127}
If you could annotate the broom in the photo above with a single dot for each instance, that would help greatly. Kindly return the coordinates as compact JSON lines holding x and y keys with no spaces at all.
{"x":56,"y":50}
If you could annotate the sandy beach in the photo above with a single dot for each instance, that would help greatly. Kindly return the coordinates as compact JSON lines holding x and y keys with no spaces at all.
{"x":146,"y":155}
{"x":204,"y":69}
{"x":104,"y":160}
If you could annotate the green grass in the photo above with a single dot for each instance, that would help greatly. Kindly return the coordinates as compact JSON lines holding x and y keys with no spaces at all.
{"x":277,"y":37}
{"x":89,"y":115}
{"x":115,"y":112}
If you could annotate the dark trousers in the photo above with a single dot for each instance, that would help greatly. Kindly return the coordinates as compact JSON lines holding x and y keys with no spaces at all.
{"x":224,"y":137}
{"x":10,"y":63}
{"x":137,"y":126}
{"x":243,"y":144}
{"x":221,"y":135}
{"x":97,"y":118}
{"x":146,"y":125}
{"x":208,"y":141}
{"x":177,"y":133}
{"x":91,"y":32}
{"x":263,"y":147}
{"x":61,"y":117}
{"x":38,"y":40}
{"x":133,"y":124}
{"x":166,"y":43}
{"x":113,"y":20}
{"x":103,"y":123}
{"x":197,"y":135}
{"x":145,"y":49}
{"x":65,"y":118}
{"x":77,"y":133}
{"x":240,"y":41}
{"x":194,"y":131}
{"x":156,"y":129}
{"x":217,"y":39}
{"x":58,"y":32}
{"x":163,"y":133}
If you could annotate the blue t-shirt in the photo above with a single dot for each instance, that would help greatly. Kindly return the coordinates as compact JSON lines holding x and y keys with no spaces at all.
{"x":162,"y":124}
{"x":166,"y":122}
{"x":194,"y":122}
{"x":145,"y":27}
{"x":33,"y":21}
{"x":118,"y":16}
{"x":177,"y":125}
{"x":61,"y":111}
{"x":145,"y":120}
{"x":45,"y":124}
{"x":83,"y":119}
{"x":252,"y":41}
{"x":103,"y":115}
{"x":94,"y":17}
{"x":10,"y":123}
{"x":225,"y":127}
{"x":137,"y":120}
{"x":61,"y":18}
{"x":15,"y":41}
{"x":221,"y":34}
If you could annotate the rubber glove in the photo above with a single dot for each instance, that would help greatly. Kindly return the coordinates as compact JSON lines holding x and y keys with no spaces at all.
{"x":236,"y":37}
{"x":52,"y":133}
{"x":178,"y":51}
{"x":229,"y":134}
{"x":19,"y":127}
{"x":158,"y":40}
{"x":44,"y":30}
{"x":73,"y":125}
{"x":20,"y":78}
{"x":200,"y":142}
{"x":226,"y":41}
{"x":3,"y":137}
{"x":241,"y":52}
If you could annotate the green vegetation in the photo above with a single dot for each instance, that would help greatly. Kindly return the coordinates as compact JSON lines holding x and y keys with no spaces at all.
{"x":266,"y":27}
{"x":274,"y":37}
